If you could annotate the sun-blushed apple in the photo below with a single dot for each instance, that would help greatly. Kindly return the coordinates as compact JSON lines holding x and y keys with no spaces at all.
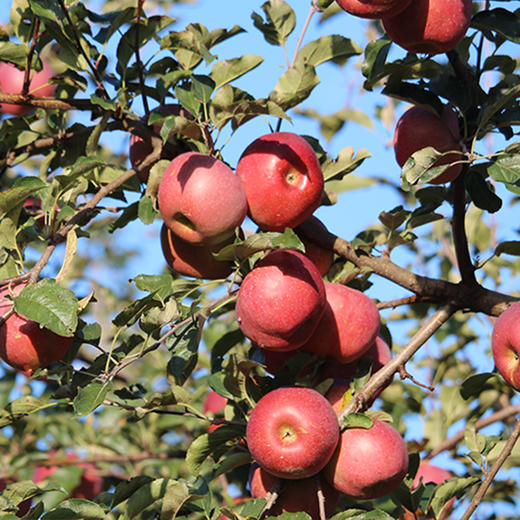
{"x":194,"y":260}
{"x":292,"y":432}
{"x":420,"y":127}
{"x":24,"y":345}
{"x":201,"y":199}
{"x":294,"y":495}
{"x":11,"y":82}
{"x":373,"y":8}
{"x":430,"y":26}
{"x":281,"y":300}
{"x":368,"y":462}
{"x":349,"y":326}
{"x":282,"y":179}
{"x":505,"y":344}
{"x":322,"y":258}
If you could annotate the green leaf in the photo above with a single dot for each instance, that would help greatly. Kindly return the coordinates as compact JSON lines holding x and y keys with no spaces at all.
{"x":202,"y":87}
{"x":279,"y":24}
{"x":50,"y":305}
{"x":225,"y":71}
{"x":20,"y":190}
{"x":454,"y":487}
{"x":90,"y":397}
{"x":331,"y":47}
{"x":76,"y":509}
{"x":419,"y":169}
{"x":22,"y":406}
{"x":146,"y":210}
{"x":474,"y":385}
{"x":506,"y":169}
{"x":376,"y":53}
{"x":188,"y":100}
{"x":356,"y":420}
{"x":361,"y":514}
{"x":394,"y":218}
{"x":294,"y":86}
{"x":481,"y":193}
{"x":499,"y":20}
{"x":48,"y":9}
{"x":13,"y":53}
{"x":346,"y":162}
{"x":508,"y":247}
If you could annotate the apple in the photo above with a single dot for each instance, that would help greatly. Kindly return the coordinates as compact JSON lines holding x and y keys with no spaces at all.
{"x":368,"y":462}
{"x":281,"y":300}
{"x":418,"y":128}
{"x":282,"y":180}
{"x":295,"y":495}
{"x":292,"y":432}
{"x":322,"y":258}
{"x":11,"y":82}
{"x":139,"y":149}
{"x":429,"y":26}
{"x":194,"y":260}
{"x":505,"y":345}
{"x":200,"y":199}
{"x":373,"y":8}
{"x":213,"y":403}
{"x":24,"y":345}
{"x":349,"y":326}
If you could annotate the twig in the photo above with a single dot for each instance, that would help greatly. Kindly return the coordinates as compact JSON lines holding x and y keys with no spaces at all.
{"x":30,"y":54}
{"x":138,"y":58}
{"x":271,"y":496}
{"x":404,"y":374}
{"x":402,"y":301}
{"x":321,"y":498}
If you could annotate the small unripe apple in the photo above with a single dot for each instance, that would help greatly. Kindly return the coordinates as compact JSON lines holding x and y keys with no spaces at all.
{"x":25,"y":345}
{"x":430,"y":26}
{"x":368,"y":462}
{"x":349,"y":326}
{"x":294,"y":495}
{"x":292,"y":432}
{"x":200,"y":199}
{"x":505,"y":344}
{"x":282,"y":180}
{"x":373,"y":8}
{"x":418,"y":128}
{"x":194,"y":260}
{"x":281,"y":300}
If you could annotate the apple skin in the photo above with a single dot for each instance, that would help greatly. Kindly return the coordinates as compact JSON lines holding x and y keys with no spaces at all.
{"x":281,"y":301}
{"x":430,"y":26}
{"x":213,"y":403}
{"x":373,"y":8}
{"x":200,"y":199}
{"x":368,"y":463}
{"x":11,"y":82}
{"x":24,"y":345}
{"x":349,"y":326}
{"x":282,"y":180}
{"x":294,"y":495}
{"x":505,"y":345}
{"x":292,"y":432}
{"x":193,"y":260}
{"x":322,"y":258}
{"x":419,"y":127}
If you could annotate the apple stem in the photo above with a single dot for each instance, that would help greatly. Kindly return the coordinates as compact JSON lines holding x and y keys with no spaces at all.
{"x":271,"y":496}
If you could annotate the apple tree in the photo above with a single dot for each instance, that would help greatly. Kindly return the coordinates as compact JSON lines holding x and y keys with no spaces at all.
{"x":384,"y":364}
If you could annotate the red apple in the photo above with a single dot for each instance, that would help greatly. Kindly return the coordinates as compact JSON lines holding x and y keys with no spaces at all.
{"x":200,"y":199}
{"x":294,"y":495}
{"x":322,"y":258}
{"x":25,"y":345}
{"x":505,"y":344}
{"x":368,"y":462}
{"x":292,"y":432}
{"x":282,"y":179}
{"x":418,"y":128}
{"x":373,"y":8}
{"x":11,"y":82}
{"x":193,"y":260}
{"x":349,"y":326}
{"x":213,"y":403}
{"x":281,"y":300}
{"x":430,"y":26}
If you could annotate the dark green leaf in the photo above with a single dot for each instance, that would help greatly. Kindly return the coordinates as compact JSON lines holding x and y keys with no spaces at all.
{"x":22,"y":406}
{"x":393,"y":219}
{"x":20,"y":190}
{"x":225,"y":71}
{"x":376,"y":53}
{"x":294,"y":86}
{"x":509,"y":247}
{"x":332,"y":47}
{"x":13,"y":53}
{"x":279,"y":24}
{"x":481,"y":193}
{"x":474,"y":385}
{"x":90,"y":397}
{"x":356,"y":420}
{"x":188,"y":100}
{"x":499,"y":20}
{"x":453,"y":487}
{"x":146,"y":210}
{"x":202,"y":87}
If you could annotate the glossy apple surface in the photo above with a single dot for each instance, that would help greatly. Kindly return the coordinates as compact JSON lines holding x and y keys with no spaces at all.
{"x":281,"y":300}
{"x":24,"y":345}
{"x":505,"y":344}
{"x":418,"y":128}
{"x":292,"y":432}
{"x":11,"y":82}
{"x":368,"y":463}
{"x":282,"y":179}
{"x":373,"y":8}
{"x":349,"y":325}
{"x":200,"y":199}
{"x":294,"y":495}
{"x":430,"y":26}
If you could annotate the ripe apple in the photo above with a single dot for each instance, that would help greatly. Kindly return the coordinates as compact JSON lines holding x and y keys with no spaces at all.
{"x":292,"y":432}
{"x":281,"y":300}
{"x":322,"y":258}
{"x":25,"y":345}
{"x":430,"y":26}
{"x":193,"y":260}
{"x":349,"y":326}
{"x":368,"y":462}
{"x":373,"y":8}
{"x":11,"y":82}
{"x":213,"y":403}
{"x":282,"y":179}
{"x":200,"y":199}
{"x":295,"y":495}
{"x":505,"y":344}
{"x":418,"y":128}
